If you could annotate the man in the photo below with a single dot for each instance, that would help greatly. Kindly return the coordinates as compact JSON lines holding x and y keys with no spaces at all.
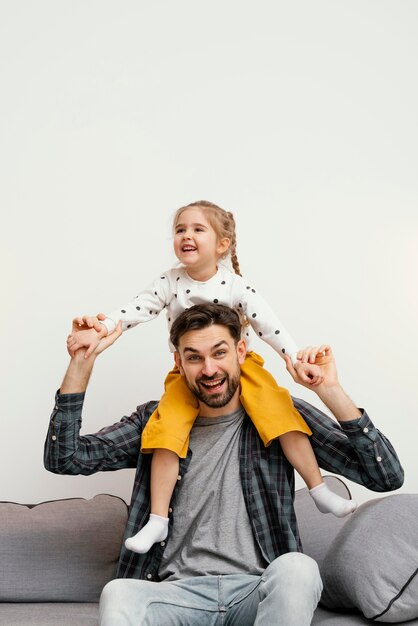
{"x":233,"y":554}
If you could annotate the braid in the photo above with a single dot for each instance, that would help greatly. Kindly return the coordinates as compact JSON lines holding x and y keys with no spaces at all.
{"x":233,"y":247}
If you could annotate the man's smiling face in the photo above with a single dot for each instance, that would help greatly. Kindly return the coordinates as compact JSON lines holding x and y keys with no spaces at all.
{"x":210,"y":361}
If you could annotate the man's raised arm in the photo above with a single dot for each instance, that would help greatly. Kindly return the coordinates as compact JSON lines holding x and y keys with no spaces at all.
{"x":78,"y":373}
{"x":112,"y":448}
{"x":355,"y":448}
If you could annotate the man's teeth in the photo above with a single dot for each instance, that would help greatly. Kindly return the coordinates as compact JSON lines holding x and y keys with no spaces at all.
{"x":214,"y":383}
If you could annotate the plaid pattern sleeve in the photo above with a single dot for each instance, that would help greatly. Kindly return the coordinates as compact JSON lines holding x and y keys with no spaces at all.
{"x":114,"y":447}
{"x":354,"y":449}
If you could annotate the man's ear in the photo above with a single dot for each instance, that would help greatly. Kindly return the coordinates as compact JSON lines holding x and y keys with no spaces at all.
{"x":177,"y":360}
{"x":241,"y":351}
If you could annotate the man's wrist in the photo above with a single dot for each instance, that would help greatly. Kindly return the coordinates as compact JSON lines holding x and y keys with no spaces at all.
{"x":338,"y":402}
{"x":78,"y":373}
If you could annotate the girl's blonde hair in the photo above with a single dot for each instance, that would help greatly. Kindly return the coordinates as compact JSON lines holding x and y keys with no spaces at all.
{"x":223,"y":224}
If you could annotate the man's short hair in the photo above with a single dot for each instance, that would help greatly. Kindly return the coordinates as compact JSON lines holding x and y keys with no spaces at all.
{"x":203,"y":315}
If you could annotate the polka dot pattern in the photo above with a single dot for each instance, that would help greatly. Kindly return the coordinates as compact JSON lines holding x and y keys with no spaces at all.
{"x":175,"y":291}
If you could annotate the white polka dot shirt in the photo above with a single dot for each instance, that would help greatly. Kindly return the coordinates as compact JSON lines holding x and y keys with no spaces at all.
{"x":175,"y":292}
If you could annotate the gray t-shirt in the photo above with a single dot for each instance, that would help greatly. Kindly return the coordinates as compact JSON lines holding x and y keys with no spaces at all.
{"x":211,"y":533}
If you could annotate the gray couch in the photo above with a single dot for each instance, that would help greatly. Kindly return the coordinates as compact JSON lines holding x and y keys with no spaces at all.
{"x":56,"y":557}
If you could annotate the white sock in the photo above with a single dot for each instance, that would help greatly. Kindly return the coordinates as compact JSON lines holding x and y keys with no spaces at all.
{"x":155,"y":530}
{"x":329,"y":502}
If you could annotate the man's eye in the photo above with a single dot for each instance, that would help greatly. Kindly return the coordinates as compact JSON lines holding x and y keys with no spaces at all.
{"x":220,"y":353}
{"x":194,"y":357}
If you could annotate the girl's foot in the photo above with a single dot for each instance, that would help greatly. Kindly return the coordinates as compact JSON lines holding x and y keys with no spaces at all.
{"x":328,"y":502}
{"x":155,"y":530}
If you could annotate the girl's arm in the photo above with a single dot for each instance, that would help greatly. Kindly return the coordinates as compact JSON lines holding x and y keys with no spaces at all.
{"x":265,"y":322}
{"x":270,"y":329}
{"x":146,"y":306}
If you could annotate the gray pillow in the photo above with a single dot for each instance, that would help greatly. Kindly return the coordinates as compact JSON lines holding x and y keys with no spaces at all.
{"x":60,"y":551}
{"x":372,"y":564}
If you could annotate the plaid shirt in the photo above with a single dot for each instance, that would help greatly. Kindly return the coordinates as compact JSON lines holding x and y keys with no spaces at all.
{"x":354,"y":449}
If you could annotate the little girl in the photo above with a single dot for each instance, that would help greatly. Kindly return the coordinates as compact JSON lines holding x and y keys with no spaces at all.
{"x":204,"y":234}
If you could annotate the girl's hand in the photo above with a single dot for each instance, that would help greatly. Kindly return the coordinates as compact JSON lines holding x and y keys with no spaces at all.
{"x":323,"y":360}
{"x":312,"y":354}
{"x":89,"y":321}
{"x":86,"y":333}
{"x":309,"y":374}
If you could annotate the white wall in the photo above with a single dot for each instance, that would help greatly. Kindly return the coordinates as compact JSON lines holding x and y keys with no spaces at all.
{"x":301,"y":117}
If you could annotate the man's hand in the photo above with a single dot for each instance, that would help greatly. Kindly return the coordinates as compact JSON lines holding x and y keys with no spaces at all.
{"x":308,"y":373}
{"x":86,"y":332}
{"x":329,"y":391}
{"x":109,"y":340}
{"x":80,"y":368}
{"x":321,"y":358}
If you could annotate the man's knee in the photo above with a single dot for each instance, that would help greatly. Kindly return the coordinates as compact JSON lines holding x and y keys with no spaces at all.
{"x":294,"y":567}
{"x":122,"y":601}
{"x":110,"y":590}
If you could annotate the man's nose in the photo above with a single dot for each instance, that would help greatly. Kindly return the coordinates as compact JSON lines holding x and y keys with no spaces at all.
{"x":209,"y":367}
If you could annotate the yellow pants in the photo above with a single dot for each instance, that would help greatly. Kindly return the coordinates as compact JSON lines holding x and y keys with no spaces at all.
{"x":269,"y":406}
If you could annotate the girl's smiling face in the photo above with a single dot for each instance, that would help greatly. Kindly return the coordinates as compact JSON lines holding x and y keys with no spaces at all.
{"x":196,"y":244}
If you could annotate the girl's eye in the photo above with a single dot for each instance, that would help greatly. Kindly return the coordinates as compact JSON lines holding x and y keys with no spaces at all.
{"x":179,"y":230}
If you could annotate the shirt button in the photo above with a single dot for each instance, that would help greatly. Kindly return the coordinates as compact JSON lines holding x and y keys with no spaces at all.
{"x":149,"y":576}
{"x":365,"y":430}
{"x":162,"y":543}
{"x":179,"y":477}
{"x":378,"y":459}
{"x":170,"y":510}
{"x":54,"y":437}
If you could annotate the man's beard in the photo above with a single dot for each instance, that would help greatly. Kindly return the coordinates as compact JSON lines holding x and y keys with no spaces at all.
{"x":216,"y":401}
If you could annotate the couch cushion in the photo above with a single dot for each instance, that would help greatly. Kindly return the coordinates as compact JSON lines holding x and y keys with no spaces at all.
{"x":323,"y":617}
{"x":49,"y":614}
{"x":373,"y":562}
{"x":60,"y":551}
